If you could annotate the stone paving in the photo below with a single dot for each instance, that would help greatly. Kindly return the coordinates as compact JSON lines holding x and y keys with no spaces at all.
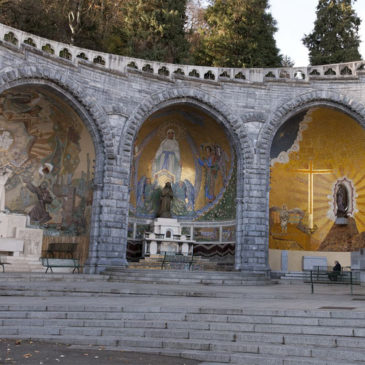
{"x":291,"y":297}
{"x":43,"y":353}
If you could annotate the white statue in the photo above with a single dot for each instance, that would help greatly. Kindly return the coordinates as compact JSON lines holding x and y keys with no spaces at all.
{"x":167,"y":157}
{"x":4,"y":176}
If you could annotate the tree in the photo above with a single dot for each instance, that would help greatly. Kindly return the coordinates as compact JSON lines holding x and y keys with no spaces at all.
{"x":85,"y":23}
{"x":335,"y":36}
{"x":153,"y":29}
{"x":195,"y":14}
{"x":238,"y":33}
{"x":287,"y":61}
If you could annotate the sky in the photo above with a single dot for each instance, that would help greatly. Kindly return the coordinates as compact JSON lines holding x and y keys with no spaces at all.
{"x":296,"y":18}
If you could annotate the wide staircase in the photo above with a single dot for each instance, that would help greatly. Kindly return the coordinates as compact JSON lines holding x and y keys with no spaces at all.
{"x":207,"y":334}
{"x":216,"y":327}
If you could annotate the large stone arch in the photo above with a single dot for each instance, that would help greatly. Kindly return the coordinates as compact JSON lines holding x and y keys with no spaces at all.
{"x":93,"y":118}
{"x":64,"y":85}
{"x":316,"y":98}
{"x":302,"y":102}
{"x":221,"y":113}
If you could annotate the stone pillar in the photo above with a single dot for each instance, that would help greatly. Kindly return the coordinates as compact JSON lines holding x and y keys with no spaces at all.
{"x":108,"y":238}
{"x":359,"y":264}
{"x":253,"y":222}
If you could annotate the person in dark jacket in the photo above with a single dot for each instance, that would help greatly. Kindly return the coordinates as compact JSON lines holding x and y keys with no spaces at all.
{"x":336,"y":271}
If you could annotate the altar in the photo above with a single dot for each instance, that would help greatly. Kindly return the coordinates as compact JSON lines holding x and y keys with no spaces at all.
{"x":17,"y":239}
{"x":166,"y":237}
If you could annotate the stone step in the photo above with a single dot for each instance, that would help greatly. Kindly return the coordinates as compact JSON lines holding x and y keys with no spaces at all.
{"x":22,"y":264}
{"x":221,"y":335}
{"x":177,"y":278}
{"x":265,"y":359}
{"x":184,"y":273}
{"x":195,"y":325}
{"x":114,"y":289}
{"x":227,"y":282}
{"x":52,"y":277}
{"x":206,"y":326}
{"x":187,"y":277}
{"x":197,"y":278}
{"x":199,"y":264}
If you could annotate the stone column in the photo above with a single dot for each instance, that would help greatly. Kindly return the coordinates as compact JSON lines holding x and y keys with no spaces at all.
{"x":108,"y":244}
{"x":253,"y":222}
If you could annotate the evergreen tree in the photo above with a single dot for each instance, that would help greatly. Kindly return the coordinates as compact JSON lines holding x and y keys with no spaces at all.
{"x":150,"y":29}
{"x":153,"y":30}
{"x":85,"y":23}
{"x":287,"y":61}
{"x":238,"y":33}
{"x":335,"y":36}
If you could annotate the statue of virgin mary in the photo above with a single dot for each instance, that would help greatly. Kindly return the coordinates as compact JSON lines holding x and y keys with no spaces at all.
{"x":167,"y":158}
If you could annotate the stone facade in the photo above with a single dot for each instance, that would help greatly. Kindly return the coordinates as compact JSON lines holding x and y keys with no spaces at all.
{"x":114,"y":95}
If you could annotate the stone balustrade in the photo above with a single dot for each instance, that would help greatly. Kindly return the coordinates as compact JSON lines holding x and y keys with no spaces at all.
{"x":22,"y":40}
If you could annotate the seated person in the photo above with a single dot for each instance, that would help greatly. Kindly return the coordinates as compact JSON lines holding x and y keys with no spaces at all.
{"x":336,"y":271}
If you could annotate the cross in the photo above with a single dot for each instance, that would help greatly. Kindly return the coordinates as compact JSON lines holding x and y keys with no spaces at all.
{"x":310,"y":171}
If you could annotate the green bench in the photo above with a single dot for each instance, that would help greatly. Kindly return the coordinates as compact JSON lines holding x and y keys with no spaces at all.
{"x":177,"y":258}
{"x":2,"y":263}
{"x":325,"y":275}
{"x":51,"y":263}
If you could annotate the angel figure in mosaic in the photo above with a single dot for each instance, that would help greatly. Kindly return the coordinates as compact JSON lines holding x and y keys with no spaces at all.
{"x":209,"y":162}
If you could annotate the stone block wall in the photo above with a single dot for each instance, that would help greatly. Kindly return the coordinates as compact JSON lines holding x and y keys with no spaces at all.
{"x":114,"y":99}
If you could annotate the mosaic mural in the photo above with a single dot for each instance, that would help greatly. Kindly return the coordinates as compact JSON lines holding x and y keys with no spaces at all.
{"x":317,"y":191}
{"x":46,"y":155}
{"x":188,"y":148}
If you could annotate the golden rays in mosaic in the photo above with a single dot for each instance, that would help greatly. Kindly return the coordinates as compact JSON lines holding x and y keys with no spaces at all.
{"x":302,"y":196}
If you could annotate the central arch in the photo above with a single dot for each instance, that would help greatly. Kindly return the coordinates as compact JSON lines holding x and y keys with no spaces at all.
{"x":232,"y":125}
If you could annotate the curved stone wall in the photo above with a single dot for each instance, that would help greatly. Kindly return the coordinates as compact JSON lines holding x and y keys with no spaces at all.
{"x":115,"y":95}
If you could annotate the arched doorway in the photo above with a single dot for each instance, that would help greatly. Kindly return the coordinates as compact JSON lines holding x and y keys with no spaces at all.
{"x":184,"y":145}
{"x":47,"y":158}
{"x":316,"y":151}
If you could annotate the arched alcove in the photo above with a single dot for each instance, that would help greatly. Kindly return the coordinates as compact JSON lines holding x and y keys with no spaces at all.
{"x":185,"y":145}
{"x":314,"y":151}
{"x":48,"y":150}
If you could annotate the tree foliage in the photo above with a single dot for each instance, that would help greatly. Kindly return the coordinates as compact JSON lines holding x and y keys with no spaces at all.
{"x":238,"y":33}
{"x":153,"y":29}
{"x":335,"y":36}
{"x":85,"y":23}
{"x":286,"y":61}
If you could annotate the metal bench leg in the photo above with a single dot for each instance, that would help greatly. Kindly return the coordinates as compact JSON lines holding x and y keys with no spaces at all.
{"x":3,"y":267}
{"x":351,"y":283}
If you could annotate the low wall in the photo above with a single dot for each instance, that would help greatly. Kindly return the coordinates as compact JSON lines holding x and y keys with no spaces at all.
{"x":295,"y":259}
